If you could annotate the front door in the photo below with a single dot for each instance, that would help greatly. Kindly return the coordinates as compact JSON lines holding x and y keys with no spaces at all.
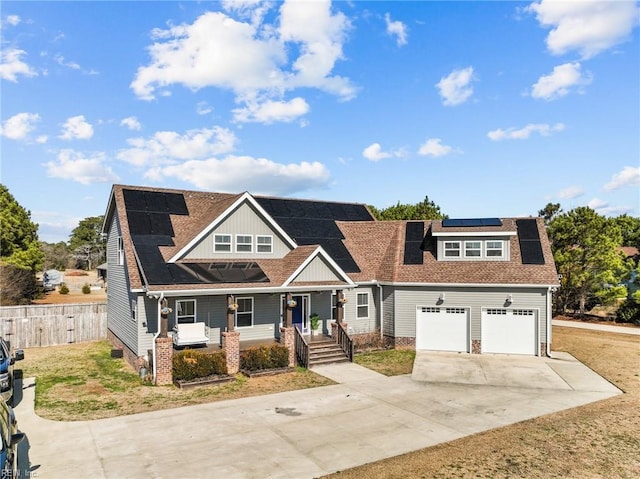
{"x":300,"y":314}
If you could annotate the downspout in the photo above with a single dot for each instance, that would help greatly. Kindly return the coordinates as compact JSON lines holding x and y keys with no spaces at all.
{"x":550,"y":291}
{"x":381,"y":311}
{"x":155,"y":336}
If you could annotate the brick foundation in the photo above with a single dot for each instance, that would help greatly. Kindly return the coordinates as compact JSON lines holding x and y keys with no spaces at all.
{"x":543,"y":350}
{"x":476,"y":346}
{"x":231,"y":346}
{"x":400,"y":342}
{"x":288,"y":340}
{"x":135,"y":361}
{"x":164,"y":361}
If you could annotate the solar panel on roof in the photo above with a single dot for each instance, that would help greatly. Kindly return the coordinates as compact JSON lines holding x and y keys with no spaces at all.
{"x":414,"y":235}
{"x":471,"y":222}
{"x":529,"y":239}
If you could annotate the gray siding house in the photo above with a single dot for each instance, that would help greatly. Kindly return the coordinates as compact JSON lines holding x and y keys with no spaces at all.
{"x":475,"y":286}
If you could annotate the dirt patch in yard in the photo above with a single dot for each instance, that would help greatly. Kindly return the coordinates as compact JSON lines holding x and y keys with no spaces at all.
{"x":601,"y":439}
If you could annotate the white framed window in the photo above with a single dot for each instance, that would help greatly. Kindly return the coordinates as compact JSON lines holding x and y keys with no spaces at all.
{"x":244,"y":243}
{"x":264,"y":244}
{"x":120,"y":251}
{"x":494,"y":249}
{"x":472,"y":249}
{"x":185,"y":311}
{"x":134,"y":309}
{"x":452,"y":249}
{"x":362,"y":305}
{"x":222,"y":243}
{"x":244,"y":313}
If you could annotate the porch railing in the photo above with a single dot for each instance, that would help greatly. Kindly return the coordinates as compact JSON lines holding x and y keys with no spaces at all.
{"x":345,"y":342}
{"x":302,"y":348}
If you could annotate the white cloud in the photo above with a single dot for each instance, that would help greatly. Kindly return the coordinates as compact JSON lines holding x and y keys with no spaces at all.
{"x":396,"y":28}
{"x":42,"y":139}
{"x":456,"y":87}
{"x":629,"y":176}
{"x":374,"y":152}
{"x":524,"y":133}
{"x":19,"y":126}
{"x":258,"y":175}
{"x":597,"y":203}
{"x":76,"y":128}
{"x":250,"y":59}
{"x":560,"y":82}
{"x":132,"y":123}
{"x":588,"y":27}
{"x":169,"y":147}
{"x":203,"y":108}
{"x":59,"y":59}
{"x":271,"y":111}
{"x":434,"y":147}
{"x":11,"y":65}
{"x":84,"y":169}
{"x":570,"y":193}
{"x":12,"y":20}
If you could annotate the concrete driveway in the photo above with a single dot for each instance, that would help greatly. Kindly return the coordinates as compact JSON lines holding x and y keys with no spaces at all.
{"x":311,"y":432}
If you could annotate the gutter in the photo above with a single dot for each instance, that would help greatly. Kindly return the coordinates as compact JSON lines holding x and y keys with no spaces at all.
{"x":550,"y":291}
{"x":475,"y":285}
{"x":220,"y":292}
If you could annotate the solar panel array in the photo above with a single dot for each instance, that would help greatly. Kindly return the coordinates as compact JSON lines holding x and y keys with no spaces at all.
{"x":413,"y":243}
{"x":314,"y":222}
{"x":471,"y":222}
{"x":150,"y":227}
{"x":529,"y":238}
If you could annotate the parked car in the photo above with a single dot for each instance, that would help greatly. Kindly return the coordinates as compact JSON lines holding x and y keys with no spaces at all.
{"x":7,"y":360}
{"x":10,"y":439}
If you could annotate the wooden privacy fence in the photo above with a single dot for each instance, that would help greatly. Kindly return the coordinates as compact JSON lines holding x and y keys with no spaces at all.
{"x":49,"y":325}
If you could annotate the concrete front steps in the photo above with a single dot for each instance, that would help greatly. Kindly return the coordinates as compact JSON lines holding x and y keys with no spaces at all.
{"x":325,"y":350}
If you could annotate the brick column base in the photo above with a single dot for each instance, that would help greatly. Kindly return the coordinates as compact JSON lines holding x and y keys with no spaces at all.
{"x":231,"y":346}
{"x":288,"y":340}
{"x":334,"y":329}
{"x":543,"y":350}
{"x":164,"y":361}
{"x":476,"y":346}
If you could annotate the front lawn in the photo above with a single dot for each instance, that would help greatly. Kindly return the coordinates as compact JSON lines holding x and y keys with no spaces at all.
{"x":82,"y":381}
{"x":391,"y":362}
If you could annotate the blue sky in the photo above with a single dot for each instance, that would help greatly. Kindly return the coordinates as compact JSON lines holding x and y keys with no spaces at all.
{"x":489,"y":108}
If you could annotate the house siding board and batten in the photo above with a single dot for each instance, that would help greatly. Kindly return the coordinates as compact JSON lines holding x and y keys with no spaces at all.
{"x":243,"y":221}
{"x":380,"y":261}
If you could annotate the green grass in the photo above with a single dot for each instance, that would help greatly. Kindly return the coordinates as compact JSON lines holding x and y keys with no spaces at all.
{"x":391,"y":362}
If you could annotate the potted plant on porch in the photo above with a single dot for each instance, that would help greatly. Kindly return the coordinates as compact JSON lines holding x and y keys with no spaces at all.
{"x":314,"y":323}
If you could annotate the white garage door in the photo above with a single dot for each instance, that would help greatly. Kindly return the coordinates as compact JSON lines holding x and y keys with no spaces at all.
{"x":509,"y":331}
{"x":442,"y":329}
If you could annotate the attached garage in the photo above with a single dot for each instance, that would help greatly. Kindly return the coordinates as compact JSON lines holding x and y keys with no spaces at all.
{"x":442,"y":329}
{"x":509,"y":331}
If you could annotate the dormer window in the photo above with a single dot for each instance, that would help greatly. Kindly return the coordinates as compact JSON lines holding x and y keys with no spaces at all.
{"x":222,"y":243}
{"x":244,"y":243}
{"x":494,"y":249}
{"x":452,"y":249}
{"x":472,"y":249}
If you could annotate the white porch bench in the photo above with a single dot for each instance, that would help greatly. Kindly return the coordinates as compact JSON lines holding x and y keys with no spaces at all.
{"x":188,"y":334}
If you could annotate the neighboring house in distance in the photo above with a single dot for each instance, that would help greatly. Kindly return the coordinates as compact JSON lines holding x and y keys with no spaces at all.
{"x":480,"y":286}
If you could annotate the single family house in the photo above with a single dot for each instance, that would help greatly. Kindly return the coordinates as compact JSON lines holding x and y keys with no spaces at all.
{"x":248,"y":263}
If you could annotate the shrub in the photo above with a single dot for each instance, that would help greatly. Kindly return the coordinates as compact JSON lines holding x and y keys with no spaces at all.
{"x":264,"y":357}
{"x":64,"y":289}
{"x":191,"y":364}
{"x":86,"y":289}
{"x":628,"y":312}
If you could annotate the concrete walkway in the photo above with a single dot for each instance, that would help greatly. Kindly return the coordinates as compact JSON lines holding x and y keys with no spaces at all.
{"x":302,"y":434}
{"x":596,"y":327}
